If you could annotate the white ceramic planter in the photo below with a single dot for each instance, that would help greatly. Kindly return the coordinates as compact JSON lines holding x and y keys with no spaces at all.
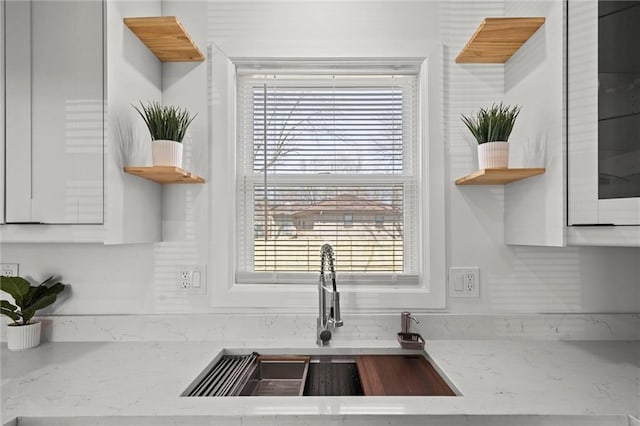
{"x":166,"y":153}
{"x":21,"y":337}
{"x":493,"y":155}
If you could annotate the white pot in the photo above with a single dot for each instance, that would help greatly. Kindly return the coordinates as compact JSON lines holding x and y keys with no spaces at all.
{"x":166,"y":153}
{"x":20,"y":337}
{"x":493,"y":155}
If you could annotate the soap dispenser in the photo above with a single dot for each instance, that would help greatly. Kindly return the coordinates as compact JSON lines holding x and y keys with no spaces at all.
{"x":405,"y":321}
{"x":407,"y":339}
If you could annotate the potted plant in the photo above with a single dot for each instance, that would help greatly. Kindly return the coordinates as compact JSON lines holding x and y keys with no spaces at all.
{"x":167,"y":126}
{"x":491,"y":127}
{"x":24,"y":333}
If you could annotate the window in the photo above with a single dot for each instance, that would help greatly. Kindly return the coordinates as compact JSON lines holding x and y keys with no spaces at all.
{"x":237,"y":286}
{"x":331,"y":158}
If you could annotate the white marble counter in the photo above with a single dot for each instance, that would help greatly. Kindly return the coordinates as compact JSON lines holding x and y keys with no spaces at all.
{"x":496,"y":377}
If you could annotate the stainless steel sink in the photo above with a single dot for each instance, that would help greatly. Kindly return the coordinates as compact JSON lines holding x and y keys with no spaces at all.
{"x":234,"y":373}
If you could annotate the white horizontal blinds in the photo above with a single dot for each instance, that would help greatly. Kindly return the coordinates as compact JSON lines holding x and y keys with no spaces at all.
{"x":364,"y":224}
{"x":338,"y":130}
{"x":327,"y":159}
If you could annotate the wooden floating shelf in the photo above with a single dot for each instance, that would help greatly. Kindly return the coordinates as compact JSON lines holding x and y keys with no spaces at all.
{"x":166,"y":38}
{"x":497,"y":39}
{"x":498,"y":176}
{"x":164,"y":174}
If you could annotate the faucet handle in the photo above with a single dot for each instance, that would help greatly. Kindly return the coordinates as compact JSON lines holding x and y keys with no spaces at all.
{"x":325,"y":336}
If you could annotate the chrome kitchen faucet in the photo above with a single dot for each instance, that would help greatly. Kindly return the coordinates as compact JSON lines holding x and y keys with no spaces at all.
{"x":327,"y":319}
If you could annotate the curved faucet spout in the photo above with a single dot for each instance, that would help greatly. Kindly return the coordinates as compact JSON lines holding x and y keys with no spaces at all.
{"x":326,"y":256}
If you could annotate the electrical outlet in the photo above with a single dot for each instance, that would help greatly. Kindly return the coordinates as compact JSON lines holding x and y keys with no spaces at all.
{"x":190,"y":279}
{"x":468,"y":282}
{"x":464,"y":282}
{"x":9,"y":269}
{"x":184,"y":278}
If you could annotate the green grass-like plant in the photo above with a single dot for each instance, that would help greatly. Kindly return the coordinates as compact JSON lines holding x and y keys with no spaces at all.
{"x":492,"y":124}
{"x":28,"y":299}
{"x":165,"y":122}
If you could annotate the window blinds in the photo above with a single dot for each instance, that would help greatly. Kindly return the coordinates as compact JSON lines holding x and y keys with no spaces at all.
{"x":327,"y":159}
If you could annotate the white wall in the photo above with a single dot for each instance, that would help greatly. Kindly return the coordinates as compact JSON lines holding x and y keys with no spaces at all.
{"x":534,"y":212}
{"x":137,"y":279}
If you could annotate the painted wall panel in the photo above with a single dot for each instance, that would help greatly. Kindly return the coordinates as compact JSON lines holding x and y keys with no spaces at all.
{"x":534,"y":208}
{"x":513,"y":278}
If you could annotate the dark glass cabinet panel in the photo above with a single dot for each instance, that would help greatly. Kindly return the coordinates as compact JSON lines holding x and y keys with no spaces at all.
{"x":618,"y":99}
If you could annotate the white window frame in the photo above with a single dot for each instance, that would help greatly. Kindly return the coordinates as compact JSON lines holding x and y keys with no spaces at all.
{"x":229,"y":296}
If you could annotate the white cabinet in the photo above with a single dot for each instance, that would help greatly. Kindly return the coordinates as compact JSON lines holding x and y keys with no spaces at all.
{"x":73,"y":70}
{"x":603,"y":123}
{"x":603,"y":113}
{"x":55,"y":112}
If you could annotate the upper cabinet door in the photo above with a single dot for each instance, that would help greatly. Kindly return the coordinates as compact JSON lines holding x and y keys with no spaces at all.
{"x":604,"y":113}
{"x":55,"y":112}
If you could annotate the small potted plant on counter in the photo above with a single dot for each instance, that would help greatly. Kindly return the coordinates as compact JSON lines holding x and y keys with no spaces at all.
{"x":24,"y":333}
{"x":167,"y":126}
{"x":491,"y":127}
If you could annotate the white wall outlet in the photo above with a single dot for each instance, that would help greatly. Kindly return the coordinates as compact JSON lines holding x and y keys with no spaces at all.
{"x":9,"y":269}
{"x":191,"y":279}
{"x":184,"y":278}
{"x":464,"y":282}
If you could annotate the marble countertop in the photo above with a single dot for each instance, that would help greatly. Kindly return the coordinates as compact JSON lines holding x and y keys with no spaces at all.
{"x":495,"y":377}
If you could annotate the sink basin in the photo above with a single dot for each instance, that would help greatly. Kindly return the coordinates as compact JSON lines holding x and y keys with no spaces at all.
{"x":277,"y":376}
{"x":408,"y":373}
{"x":333,"y":376}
